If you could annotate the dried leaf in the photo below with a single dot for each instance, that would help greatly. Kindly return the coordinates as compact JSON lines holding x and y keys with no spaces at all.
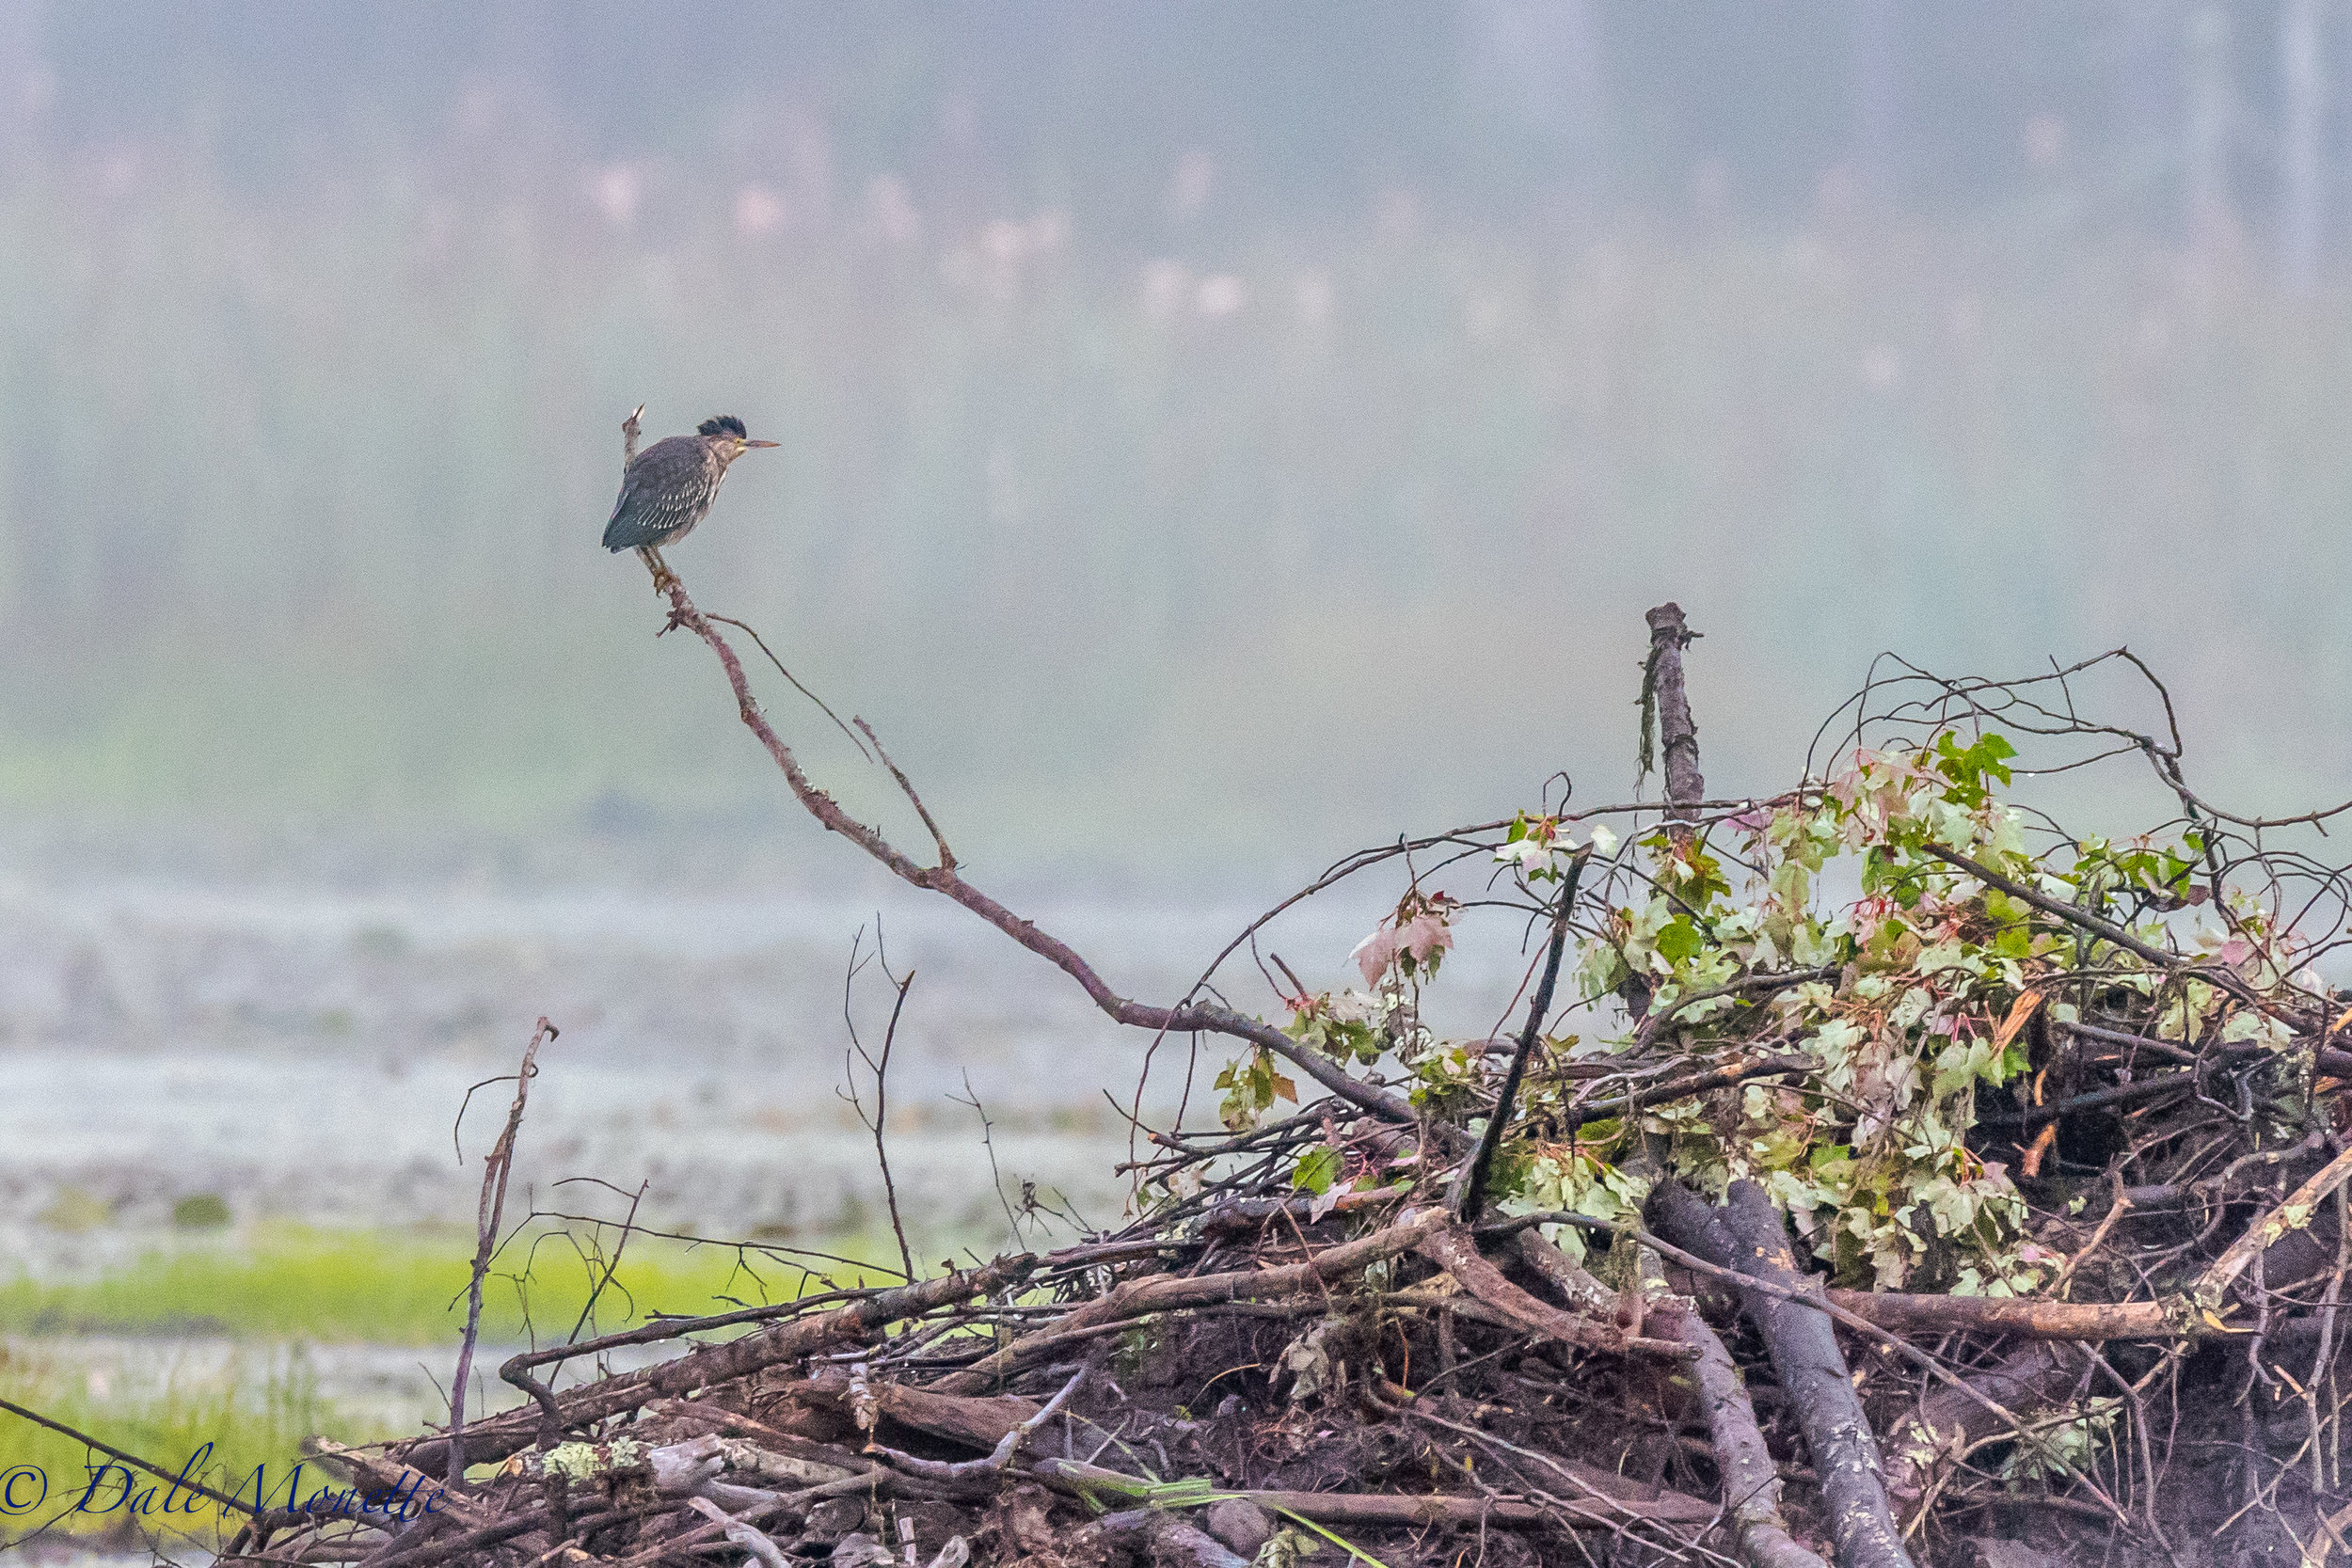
{"x":1424,"y":935}
{"x":1374,"y":954}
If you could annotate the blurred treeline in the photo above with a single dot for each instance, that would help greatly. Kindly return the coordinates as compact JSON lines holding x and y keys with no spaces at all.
{"x":1208,"y":426}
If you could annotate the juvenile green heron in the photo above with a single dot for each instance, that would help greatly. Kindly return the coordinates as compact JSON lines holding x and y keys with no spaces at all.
{"x":666,"y":489}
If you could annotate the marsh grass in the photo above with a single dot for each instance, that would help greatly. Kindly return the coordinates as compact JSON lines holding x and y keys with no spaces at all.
{"x":273,"y":1289}
{"x":399,"y":1287}
{"x":253,"y":1414}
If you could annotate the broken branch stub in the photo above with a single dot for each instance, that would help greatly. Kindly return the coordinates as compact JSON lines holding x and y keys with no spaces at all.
{"x":1670,"y":701}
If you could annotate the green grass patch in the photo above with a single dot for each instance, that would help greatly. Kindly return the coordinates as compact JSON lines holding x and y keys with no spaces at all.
{"x":275,"y":1287}
{"x":256,"y":1415}
{"x":396,"y":1287}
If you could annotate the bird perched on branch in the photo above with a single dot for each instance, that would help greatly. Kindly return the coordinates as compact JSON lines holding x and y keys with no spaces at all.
{"x":666,"y":489}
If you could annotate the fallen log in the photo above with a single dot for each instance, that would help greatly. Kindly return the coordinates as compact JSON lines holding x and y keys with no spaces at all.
{"x":1748,"y":1237}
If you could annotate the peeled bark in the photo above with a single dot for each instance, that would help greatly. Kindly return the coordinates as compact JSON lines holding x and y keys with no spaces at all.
{"x":2021,"y":1317}
{"x":1452,"y":1250}
{"x":1568,"y":1277}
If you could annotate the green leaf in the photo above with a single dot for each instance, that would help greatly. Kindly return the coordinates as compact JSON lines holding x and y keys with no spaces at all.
{"x":1316,"y":1170}
{"x":1680,"y":942}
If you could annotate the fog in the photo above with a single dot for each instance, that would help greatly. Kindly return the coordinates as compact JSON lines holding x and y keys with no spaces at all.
{"x":1215,"y":438}
{"x":1213,"y":434}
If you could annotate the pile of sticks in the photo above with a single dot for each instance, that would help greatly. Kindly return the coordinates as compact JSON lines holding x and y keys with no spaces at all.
{"x":1251,"y":1370}
{"x":1408,"y":1382}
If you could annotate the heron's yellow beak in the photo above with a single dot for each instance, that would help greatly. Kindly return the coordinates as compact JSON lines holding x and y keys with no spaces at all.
{"x":761,"y":443}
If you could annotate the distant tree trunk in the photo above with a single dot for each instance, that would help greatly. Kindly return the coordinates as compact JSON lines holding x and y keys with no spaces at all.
{"x":2303,"y":95}
{"x":2205,"y":144}
{"x":1877,"y":77}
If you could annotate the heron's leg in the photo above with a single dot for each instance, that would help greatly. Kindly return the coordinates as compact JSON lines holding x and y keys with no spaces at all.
{"x":662,"y":576}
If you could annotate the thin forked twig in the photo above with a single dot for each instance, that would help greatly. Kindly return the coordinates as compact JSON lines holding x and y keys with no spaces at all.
{"x":747,"y":630}
{"x":947,"y":856}
{"x":493,"y":1205}
{"x":880,"y":1067}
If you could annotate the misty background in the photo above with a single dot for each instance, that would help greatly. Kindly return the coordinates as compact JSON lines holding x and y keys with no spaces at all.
{"x":1211,"y":431}
{"x":1217,"y":435}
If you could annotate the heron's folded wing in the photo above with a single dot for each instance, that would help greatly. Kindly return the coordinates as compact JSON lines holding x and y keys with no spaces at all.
{"x":663,"y":492}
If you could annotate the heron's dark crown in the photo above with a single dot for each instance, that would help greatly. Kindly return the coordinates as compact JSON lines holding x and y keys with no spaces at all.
{"x":726,"y":424}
